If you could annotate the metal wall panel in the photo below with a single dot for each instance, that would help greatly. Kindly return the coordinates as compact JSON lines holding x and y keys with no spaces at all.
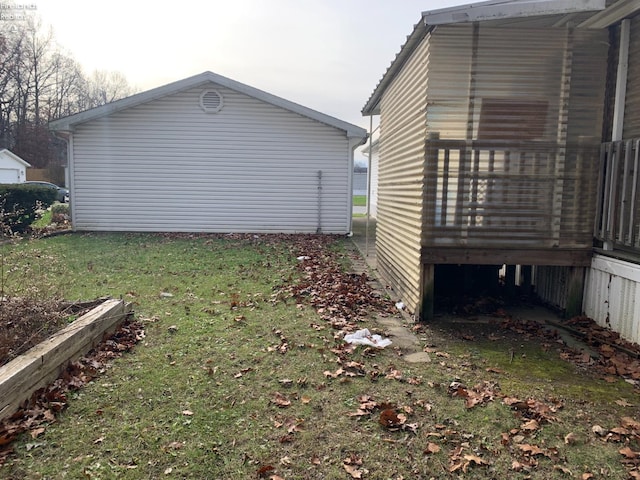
{"x":400,"y":181}
{"x":552,"y":285}
{"x":612,"y":296}
{"x":169,"y":166}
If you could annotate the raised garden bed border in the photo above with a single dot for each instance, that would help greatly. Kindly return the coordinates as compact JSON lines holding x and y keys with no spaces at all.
{"x":45,"y":362}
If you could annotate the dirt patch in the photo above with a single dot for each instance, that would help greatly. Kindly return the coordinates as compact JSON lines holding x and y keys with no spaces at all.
{"x":578,"y":340}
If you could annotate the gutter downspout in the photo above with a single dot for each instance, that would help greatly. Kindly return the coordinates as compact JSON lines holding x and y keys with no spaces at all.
{"x":67,"y":136}
{"x":319,"y":227}
{"x":366,"y":234}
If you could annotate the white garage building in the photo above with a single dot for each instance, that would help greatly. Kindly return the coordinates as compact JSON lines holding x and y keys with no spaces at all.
{"x":209,"y":154}
{"x":12,"y":167}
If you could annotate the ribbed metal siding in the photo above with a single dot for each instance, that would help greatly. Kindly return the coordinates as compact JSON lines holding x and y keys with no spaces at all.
{"x":401,"y":173}
{"x":552,"y":285}
{"x":449,"y":79}
{"x":169,"y":166}
{"x":531,"y":101}
{"x":632,"y":107}
{"x":612,"y":296}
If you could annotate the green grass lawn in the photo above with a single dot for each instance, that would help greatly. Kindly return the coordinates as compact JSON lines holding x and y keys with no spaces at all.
{"x":359,"y":200}
{"x":43,"y":220}
{"x":235,"y":382}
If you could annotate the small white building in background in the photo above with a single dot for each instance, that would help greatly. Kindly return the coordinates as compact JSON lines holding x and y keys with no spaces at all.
{"x":209,"y":154}
{"x":13,"y":169}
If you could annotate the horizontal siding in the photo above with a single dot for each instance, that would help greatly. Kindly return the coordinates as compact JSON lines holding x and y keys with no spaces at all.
{"x":611,"y":296}
{"x":400,"y":181}
{"x":169,"y":166}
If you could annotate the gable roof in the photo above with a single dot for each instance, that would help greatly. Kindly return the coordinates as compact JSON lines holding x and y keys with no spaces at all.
{"x":67,"y":124}
{"x":13,"y":156}
{"x":532,"y":13}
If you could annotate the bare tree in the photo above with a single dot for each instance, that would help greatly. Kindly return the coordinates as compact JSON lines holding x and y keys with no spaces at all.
{"x":39,"y":82}
{"x":106,"y":87}
{"x":69,"y":88}
{"x":10,"y":52}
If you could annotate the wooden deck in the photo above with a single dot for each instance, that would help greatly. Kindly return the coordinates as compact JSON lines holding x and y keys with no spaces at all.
{"x":525,"y":196}
{"x":527,"y":203}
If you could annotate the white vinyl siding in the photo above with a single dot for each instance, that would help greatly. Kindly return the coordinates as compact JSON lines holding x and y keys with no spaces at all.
{"x":169,"y":166}
{"x":611,"y":296}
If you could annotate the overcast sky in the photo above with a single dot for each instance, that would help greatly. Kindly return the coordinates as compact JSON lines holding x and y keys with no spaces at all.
{"x":325,"y":54}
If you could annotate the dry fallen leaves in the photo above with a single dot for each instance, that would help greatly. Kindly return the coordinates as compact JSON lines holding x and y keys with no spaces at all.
{"x":46,"y":402}
{"x":481,"y":393}
{"x":391,"y":420}
{"x":432,"y":448}
{"x":458,"y":460}
{"x":280,"y":400}
{"x":353,"y":466}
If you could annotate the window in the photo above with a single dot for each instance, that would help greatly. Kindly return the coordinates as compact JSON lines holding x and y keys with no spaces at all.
{"x":512,"y":119}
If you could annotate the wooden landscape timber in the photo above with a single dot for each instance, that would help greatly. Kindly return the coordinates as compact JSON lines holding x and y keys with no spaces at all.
{"x":46,"y":361}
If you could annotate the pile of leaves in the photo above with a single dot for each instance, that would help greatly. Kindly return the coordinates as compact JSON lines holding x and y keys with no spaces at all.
{"x":340,"y":297}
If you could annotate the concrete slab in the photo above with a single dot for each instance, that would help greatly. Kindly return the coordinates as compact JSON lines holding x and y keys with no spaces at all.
{"x":418,"y":357}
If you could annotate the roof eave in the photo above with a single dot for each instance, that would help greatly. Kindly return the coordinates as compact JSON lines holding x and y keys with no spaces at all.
{"x":420,"y":30}
{"x":484,"y":11}
{"x":15,"y":157}
{"x":505,"y":9}
{"x":613,"y":14}
{"x":67,"y":124}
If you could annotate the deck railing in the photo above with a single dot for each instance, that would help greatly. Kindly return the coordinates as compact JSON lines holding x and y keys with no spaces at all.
{"x":488,"y":193}
{"x":617,"y":222}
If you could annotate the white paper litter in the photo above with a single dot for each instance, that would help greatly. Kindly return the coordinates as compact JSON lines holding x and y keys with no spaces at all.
{"x":304,"y":257}
{"x":400,"y":306}
{"x":364,"y":337}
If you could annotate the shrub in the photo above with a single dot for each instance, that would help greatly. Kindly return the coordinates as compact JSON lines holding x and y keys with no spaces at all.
{"x":60,"y":214}
{"x":60,"y":209}
{"x":19,"y":203}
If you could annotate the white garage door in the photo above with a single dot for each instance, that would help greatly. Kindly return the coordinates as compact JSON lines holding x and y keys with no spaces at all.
{"x":9,"y":175}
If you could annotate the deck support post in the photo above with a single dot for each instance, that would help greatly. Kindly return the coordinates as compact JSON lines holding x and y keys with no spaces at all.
{"x":428,"y":295}
{"x":510,"y":280}
{"x":526,"y":271}
{"x":575,"y":292}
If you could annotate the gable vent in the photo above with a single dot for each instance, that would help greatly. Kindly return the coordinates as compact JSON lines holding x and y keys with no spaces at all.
{"x":211,"y":101}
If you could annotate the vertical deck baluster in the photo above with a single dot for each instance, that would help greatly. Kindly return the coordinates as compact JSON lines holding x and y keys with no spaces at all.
{"x":623,"y":196}
{"x":613,"y":187}
{"x":632,"y":199}
{"x":445,"y":188}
